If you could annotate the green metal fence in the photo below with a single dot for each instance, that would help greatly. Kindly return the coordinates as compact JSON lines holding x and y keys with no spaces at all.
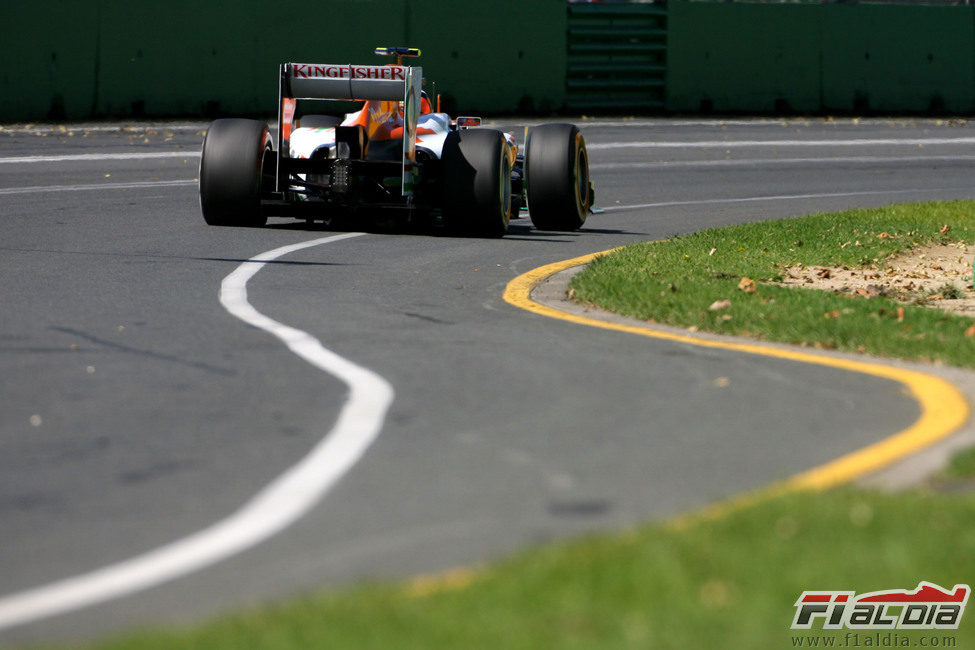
{"x":617,"y":57}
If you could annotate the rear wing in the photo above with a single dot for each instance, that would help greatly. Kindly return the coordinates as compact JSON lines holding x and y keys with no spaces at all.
{"x":350,"y":82}
{"x":323,"y":81}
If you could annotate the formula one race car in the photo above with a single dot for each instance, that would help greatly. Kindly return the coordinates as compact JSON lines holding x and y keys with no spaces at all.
{"x":395,"y":154}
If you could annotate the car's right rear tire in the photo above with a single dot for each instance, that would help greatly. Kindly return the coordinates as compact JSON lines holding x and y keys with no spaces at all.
{"x":477,"y":182}
{"x":236,"y":168}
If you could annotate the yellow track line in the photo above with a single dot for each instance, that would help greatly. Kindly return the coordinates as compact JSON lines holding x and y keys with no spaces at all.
{"x":943,"y":408}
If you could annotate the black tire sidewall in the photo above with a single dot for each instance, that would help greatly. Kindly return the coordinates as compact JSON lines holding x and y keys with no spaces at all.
{"x":232,"y":172}
{"x":557,"y":177}
{"x":476,"y":182}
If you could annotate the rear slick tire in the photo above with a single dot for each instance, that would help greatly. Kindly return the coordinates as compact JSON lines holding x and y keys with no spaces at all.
{"x":557,"y":177}
{"x":235,"y":169}
{"x":477,"y":182}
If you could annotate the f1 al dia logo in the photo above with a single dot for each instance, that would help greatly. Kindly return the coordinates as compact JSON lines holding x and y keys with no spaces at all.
{"x":929,"y":607}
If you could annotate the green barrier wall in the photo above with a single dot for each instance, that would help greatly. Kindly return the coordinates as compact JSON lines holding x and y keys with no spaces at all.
{"x":732,"y":56}
{"x":901,"y":58}
{"x":74,"y":60}
{"x":767,"y":58}
{"x":64,"y":59}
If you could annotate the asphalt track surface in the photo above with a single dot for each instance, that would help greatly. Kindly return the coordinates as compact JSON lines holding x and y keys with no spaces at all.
{"x":140,"y":406}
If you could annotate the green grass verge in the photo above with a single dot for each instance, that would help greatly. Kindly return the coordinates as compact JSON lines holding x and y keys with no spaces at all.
{"x":962,"y":465}
{"x":675,"y":281}
{"x":723,"y":583}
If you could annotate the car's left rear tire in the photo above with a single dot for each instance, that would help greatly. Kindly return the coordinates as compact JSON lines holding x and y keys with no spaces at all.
{"x":477,"y":182}
{"x":236,"y":170}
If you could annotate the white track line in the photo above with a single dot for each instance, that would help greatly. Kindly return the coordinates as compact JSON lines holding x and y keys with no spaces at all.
{"x":88,"y":157}
{"x":781,"y":197}
{"x":650,"y":144}
{"x":93,"y":186}
{"x":732,"y":144}
{"x":120,"y":129}
{"x":273,"y":509}
{"x":756,"y":162}
{"x":783,"y":122}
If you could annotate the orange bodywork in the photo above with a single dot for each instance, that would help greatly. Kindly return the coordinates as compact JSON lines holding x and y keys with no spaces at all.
{"x":383,"y":120}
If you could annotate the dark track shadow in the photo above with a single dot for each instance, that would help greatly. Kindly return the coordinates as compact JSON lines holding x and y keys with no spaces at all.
{"x":519,"y":229}
{"x":278,"y":262}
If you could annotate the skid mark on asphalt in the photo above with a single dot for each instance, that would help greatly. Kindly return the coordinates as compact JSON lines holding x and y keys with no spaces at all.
{"x":943,"y":408}
{"x":277,"y":506}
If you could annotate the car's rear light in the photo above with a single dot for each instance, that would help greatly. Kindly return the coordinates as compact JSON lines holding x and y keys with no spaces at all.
{"x":468,"y":122}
